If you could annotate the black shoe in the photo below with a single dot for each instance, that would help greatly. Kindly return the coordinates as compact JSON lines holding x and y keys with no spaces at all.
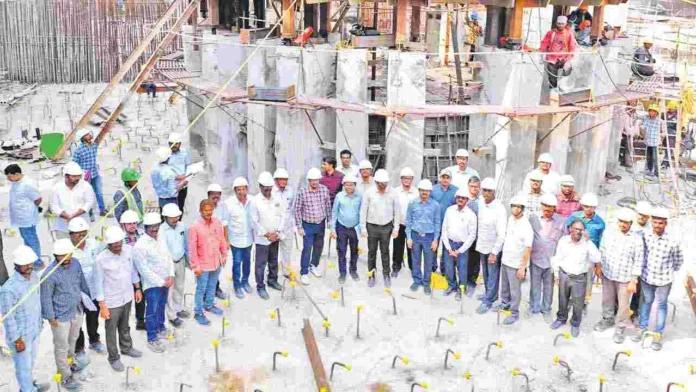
{"x":177,"y":323}
{"x":354,"y":275}
{"x":140,"y":326}
{"x":275,"y":286}
{"x":220,"y":294}
{"x":395,"y":274}
{"x":342,"y":279}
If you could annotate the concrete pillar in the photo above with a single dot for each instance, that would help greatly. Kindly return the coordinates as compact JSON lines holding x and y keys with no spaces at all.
{"x":192,"y":50}
{"x":515,"y":148}
{"x":614,"y":139}
{"x":351,"y":87}
{"x":587,"y":160}
{"x":553,"y":136}
{"x":404,"y":138}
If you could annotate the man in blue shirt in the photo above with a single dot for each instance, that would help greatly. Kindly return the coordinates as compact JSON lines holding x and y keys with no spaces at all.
{"x":423,"y":224}
{"x":180,"y":160}
{"x":443,"y":193}
{"x":165,"y":180}
{"x":24,"y":210}
{"x":86,"y":156}
{"x":345,"y":226}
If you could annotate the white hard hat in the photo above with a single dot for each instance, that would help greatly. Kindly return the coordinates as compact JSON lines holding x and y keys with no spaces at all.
{"x":567,"y":179}
{"x":174,"y":138}
{"x":518,"y":200}
{"x":78,"y":225}
{"x":72,"y":169}
{"x":214,"y":188}
{"x":462,"y":193}
{"x":82,"y":133}
{"x":406,"y":172}
{"x":381,"y":176}
{"x":266,"y":179}
{"x":562,"y":19}
{"x":660,"y":212}
{"x":488,"y":183}
{"x":536,"y":175}
{"x":152,"y":218}
{"x":549,"y":200}
{"x":239,"y":181}
{"x":589,"y":199}
{"x":162,"y":154}
{"x":462,"y":153}
{"x":349,"y":178}
{"x":626,"y":215}
{"x":643,"y":208}
{"x":281,"y":173}
{"x":113,"y":235}
{"x":171,"y":210}
{"x":129,"y":216}
{"x":545,"y":157}
{"x":62,"y":247}
{"x":446,"y":172}
{"x":425,"y":185}
{"x":24,"y":255}
{"x":365,"y":164}
{"x":314,"y":174}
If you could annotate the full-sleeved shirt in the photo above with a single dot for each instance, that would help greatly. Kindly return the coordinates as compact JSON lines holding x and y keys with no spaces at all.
{"x":423,"y":218}
{"x":492,"y":220}
{"x":163,"y":179}
{"x":115,"y":276}
{"x":518,"y":238}
{"x":550,"y":183}
{"x":594,"y":226}
{"x":533,"y":206}
{"x":240,"y":231}
{"x":153,"y":261}
{"x":61,"y":296}
{"x":266,"y":216}
{"x":334,"y":182}
{"x":85,"y":156}
{"x":547,"y":232}
{"x":459,"y":226}
{"x":133,"y":202}
{"x":444,"y":197}
{"x":207,"y":245}
{"x":654,"y":129}
{"x":23,"y":210}
{"x":574,"y":258}
{"x":175,"y":239}
{"x":473,"y":204}
{"x":567,"y":206}
{"x":558,"y":42}
{"x":287,"y":201}
{"x":87,"y":258}
{"x":25,"y":321}
{"x":460,"y":178}
{"x":221,"y":213}
{"x":629,"y":123}
{"x":352,"y":169}
{"x":622,"y":256}
{"x":379,"y":208}
{"x":346,"y":210}
{"x":361,"y":187}
{"x":404,"y":197}
{"x":312,"y":206}
{"x":67,"y":200}
{"x":663,"y":257}
{"x":180,"y":161}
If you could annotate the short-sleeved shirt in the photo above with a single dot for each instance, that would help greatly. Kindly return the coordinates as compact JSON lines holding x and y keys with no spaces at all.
{"x":23,"y":211}
{"x":518,"y":237}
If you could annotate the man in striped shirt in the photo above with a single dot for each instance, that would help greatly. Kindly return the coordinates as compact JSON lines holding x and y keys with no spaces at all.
{"x":312,"y":211}
{"x":86,"y":156}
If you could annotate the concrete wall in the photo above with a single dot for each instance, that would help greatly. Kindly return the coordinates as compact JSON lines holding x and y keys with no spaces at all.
{"x":588,"y":150}
{"x":351,"y":87}
{"x":589,"y":72}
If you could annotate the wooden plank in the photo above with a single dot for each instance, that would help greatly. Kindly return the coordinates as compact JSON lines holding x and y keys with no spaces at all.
{"x":315,"y":358}
{"x":373,"y":41}
{"x":515,"y":21}
{"x":282,"y":94}
{"x":288,"y":30}
{"x":214,"y":12}
{"x":597,"y":21}
{"x":401,"y":21}
{"x":248,"y":36}
{"x":571,"y":97}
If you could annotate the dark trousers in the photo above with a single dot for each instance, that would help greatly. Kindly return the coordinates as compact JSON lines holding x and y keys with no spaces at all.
{"x":181,"y":199}
{"x":651,"y":159}
{"x":636,"y":300}
{"x":552,"y":70}
{"x":399,"y":247}
{"x":378,"y":236}
{"x":266,"y":255}
{"x":140,"y":311}
{"x":571,"y":293}
{"x":312,"y":245}
{"x":491,"y":277}
{"x":118,"y":332}
{"x":149,"y":88}
{"x":626,"y":151}
{"x":474,"y":268}
{"x":92,"y":319}
{"x":346,"y":236}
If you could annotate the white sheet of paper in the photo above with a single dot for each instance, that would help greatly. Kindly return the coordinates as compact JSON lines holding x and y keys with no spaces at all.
{"x":195,"y":168}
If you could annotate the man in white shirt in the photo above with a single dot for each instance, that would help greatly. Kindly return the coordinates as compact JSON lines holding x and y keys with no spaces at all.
{"x":286,"y":195}
{"x":551,"y":179}
{"x":492,"y":220}
{"x":461,"y":172}
{"x":266,"y":218}
{"x":70,"y":198}
{"x":220,"y":212}
{"x":516,"y":252}
{"x":240,"y":235}
{"x":574,"y":256}
{"x":405,"y":193}
{"x":347,"y":167}
{"x":366,"y":180}
{"x":458,"y":234}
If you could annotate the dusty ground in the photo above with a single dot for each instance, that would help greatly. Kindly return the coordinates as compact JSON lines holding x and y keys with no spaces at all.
{"x":252,"y":336}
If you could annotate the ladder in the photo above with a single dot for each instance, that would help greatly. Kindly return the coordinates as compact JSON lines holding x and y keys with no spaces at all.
{"x":163,"y":32}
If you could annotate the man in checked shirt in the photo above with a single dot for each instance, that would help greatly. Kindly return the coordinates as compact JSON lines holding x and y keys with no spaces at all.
{"x":312,"y":211}
{"x":620,"y":268}
{"x":663,"y":257}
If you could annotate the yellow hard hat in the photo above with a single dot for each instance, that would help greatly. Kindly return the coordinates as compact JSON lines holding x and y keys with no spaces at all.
{"x":647,"y":40}
{"x":653,"y":106}
{"x":672,"y":105}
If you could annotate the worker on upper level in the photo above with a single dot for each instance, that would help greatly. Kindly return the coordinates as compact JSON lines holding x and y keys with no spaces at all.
{"x":578,"y":16}
{"x":560,"y":44}
{"x":643,"y":60}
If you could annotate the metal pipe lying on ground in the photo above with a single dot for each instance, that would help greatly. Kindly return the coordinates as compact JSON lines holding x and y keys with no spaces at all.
{"x":423,"y":385}
{"x":333,"y":365}
{"x":439,"y":321}
{"x":182,"y":385}
{"x":616,"y":357}
{"x":564,"y":335}
{"x":676,"y":384}
{"x":403,"y":359}
{"x":516,"y":372}
{"x":496,"y":344}
{"x":447,"y":353}
{"x":559,"y":361}
{"x":388,"y":291}
{"x":275,"y":355}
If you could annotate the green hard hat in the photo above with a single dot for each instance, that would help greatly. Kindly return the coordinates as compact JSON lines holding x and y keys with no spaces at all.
{"x":129,"y":175}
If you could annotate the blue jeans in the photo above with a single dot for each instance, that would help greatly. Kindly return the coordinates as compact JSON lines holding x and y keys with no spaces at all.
{"x":459,"y":264}
{"x":31,"y":239}
{"x":97,"y":186}
{"x":421,"y":250}
{"x":346,"y":236}
{"x":155,"y":303}
{"x":312,"y":245}
{"x":650,"y":293}
{"x":24,"y":363}
{"x":205,"y":290}
{"x":491,"y":278}
{"x":241,"y":266}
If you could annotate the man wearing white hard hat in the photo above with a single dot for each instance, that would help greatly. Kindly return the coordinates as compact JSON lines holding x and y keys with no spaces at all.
{"x":641,"y":225}
{"x":560,"y":44}
{"x":117,"y":283}
{"x":215,"y":195}
{"x":180,"y":160}
{"x":266,"y":218}
{"x":492,"y":221}
{"x":130,"y":222}
{"x":345,"y":227}
{"x":240,"y":235}
{"x":23,"y":326}
{"x":568,"y":199}
{"x":423,"y":227}
{"x":62,"y":305}
{"x":548,"y":228}
{"x":458,"y":234}
{"x":550,"y":178}
{"x":663,"y":258}
{"x":620,"y":268}
{"x":173,"y":235}
{"x":25,"y":199}
{"x":312,"y":213}
{"x":443,"y":193}
{"x":533,"y":197}
{"x":286,"y":194}
{"x":156,"y":269}
{"x":347,"y":167}
{"x":405,"y":192}
{"x":165,"y":180}
{"x":70,"y":198}
{"x":366,"y":181}
{"x":85,"y":155}
{"x":379,"y":215}
{"x":461,"y":171}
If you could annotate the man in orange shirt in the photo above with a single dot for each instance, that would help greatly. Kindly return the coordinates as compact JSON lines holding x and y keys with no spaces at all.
{"x":559,"y":40}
